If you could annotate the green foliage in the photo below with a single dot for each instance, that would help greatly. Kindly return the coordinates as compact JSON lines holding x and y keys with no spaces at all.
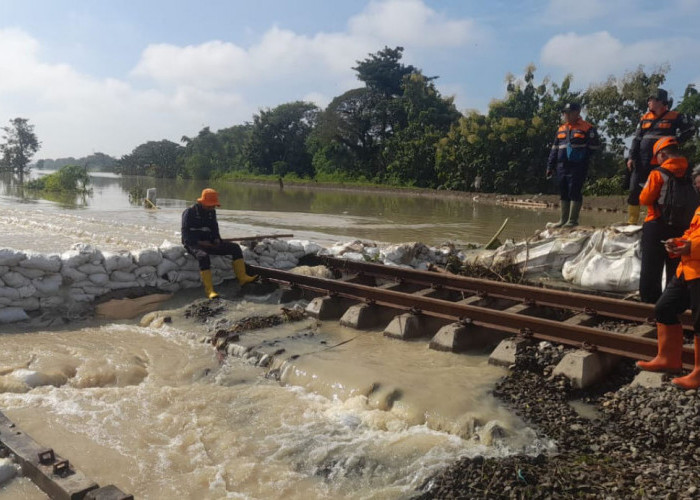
{"x":155,"y":159}
{"x":20,"y":144}
{"x":606,"y":186}
{"x":69,"y":179}
{"x":397,"y":129}
{"x":277,"y":144}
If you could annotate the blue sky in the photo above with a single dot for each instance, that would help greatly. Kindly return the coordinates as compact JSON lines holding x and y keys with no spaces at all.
{"x":99,"y":75}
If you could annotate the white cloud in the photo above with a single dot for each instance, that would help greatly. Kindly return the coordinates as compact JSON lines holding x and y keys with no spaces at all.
{"x":570,"y":13}
{"x":176,"y":90}
{"x":597,"y":55}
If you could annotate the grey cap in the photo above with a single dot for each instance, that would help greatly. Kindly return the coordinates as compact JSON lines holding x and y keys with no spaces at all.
{"x":659,"y":95}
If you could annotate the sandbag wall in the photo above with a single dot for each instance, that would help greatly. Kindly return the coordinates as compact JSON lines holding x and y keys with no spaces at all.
{"x":33,"y":281}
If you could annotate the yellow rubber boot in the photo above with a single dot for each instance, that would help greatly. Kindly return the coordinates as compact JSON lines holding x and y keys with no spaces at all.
{"x":633,"y":214}
{"x":692,"y":380}
{"x":239,"y":270}
{"x":208,"y":285}
{"x":670,"y":350}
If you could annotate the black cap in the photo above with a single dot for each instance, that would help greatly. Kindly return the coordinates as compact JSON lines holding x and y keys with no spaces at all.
{"x":659,"y":95}
{"x":571,"y":106}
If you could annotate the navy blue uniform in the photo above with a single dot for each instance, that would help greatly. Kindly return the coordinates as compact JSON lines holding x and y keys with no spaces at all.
{"x":200,"y":226}
{"x":574,"y":144}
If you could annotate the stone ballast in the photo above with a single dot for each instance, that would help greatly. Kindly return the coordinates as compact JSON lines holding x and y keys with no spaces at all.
{"x":34,"y":281}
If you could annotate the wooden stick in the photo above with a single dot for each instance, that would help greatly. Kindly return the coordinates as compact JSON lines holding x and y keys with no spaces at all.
{"x":260,"y":237}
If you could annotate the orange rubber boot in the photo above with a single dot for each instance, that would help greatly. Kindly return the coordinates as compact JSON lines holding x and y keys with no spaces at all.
{"x":692,"y":380}
{"x":668,"y":358}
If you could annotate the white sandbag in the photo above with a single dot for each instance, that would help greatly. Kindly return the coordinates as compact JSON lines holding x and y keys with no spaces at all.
{"x":285,"y":257}
{"x":167,"y":286}
{"x":12,"y":315}
{"x":26,"y":291}
{"x":48,"y":285}
{"x":10,"y":257}
{"x":148,"y":257}
{"x":73,"y":274}
{"x":95,"y":290}
{"x":285,"y":264}
{"x":179,"y":276}
{"x":144,"y":271}
{"x":118,"y":261}
{"x":50,"y":263}
{"x":15,"y":279}
{"x":28,"y":272}
{"x":610,"y":261}
{"x":92,"y":268}
{"x":355,"y":256}
{"x":311,"y":247}
{"x":191,"y":265}
{"x":9,"y":292}
{"x":541,"y":255}
{"x":171,"y":251}
{"x":122,"y":277}
{"x":296,"y":247}
{"x":79,"y":296}
{"x":99,"y":278}
{"x":3,"y":270}
{"x":279,"y":245}
{"x":165,"y":266}
{"x":266,"y":261}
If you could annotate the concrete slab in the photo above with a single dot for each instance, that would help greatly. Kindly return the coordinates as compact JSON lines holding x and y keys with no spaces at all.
{"x":650,"y":380}
{"x":585,"y":368}
{"x":325,"y":308}
{"x":365,"y":316}
{"x":411,"y":326}
{"x":505,"y":352}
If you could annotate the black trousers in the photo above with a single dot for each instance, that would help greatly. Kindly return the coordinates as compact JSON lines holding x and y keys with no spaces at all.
{"x":655,"y":258}
{"x":677,"y":297}
{"x":571,"y":178}
{"x":223,"y":248}
{"x":638,"y":178}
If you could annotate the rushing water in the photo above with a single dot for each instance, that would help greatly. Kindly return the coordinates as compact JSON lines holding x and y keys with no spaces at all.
{"x":152,"y":410}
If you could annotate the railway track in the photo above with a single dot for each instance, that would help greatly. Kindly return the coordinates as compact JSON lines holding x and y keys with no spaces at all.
{"x":579,"y":320}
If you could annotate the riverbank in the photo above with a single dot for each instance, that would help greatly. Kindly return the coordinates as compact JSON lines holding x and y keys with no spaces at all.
{"x":616,"y":203}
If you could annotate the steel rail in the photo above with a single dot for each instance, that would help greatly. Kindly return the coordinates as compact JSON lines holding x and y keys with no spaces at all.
{"x":592,"y":304}
{"x":529,"y":326}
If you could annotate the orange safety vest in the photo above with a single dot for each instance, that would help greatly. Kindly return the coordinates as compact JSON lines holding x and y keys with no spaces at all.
{"x":651,"y":193}
{"x":689,"y":267}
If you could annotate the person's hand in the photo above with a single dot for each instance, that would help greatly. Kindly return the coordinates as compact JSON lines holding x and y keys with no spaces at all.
{"x":630,"y":165}
{"x":549,"y":174}
{"x":677,"y":246}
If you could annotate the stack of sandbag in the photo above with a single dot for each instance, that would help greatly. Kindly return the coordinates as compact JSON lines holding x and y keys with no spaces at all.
{"x":610,"y":260}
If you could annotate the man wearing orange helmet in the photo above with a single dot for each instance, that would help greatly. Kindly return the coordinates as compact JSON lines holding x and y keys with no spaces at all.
{"x":681,"y":293}
{"x":655,"y":230}
{"x":201,"y":238}
{"x":658,"y":122}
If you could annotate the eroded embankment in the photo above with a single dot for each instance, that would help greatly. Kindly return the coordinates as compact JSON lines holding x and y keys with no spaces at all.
{"x":632,"y":442}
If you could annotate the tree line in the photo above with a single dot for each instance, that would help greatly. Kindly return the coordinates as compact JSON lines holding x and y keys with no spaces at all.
{"x":397,"y":129}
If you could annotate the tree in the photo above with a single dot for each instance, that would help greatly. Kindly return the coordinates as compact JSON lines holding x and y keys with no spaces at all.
{"x":20,"y":145}
{"x":382,"y":71}
{"x":153,"y":158}
{"x":277,"y":142}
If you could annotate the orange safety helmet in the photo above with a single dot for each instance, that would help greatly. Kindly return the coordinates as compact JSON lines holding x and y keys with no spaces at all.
{"x":663,"y":143}
{"x":209,"y":198}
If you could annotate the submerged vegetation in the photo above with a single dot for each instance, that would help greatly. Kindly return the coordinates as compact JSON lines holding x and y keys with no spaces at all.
{"x":71,"y":179}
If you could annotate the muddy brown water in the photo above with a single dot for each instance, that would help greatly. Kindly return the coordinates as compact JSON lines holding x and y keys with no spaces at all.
{"x":153,"y":411}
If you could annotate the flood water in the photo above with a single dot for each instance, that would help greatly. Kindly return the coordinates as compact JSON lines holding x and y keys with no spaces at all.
{"x":154,"y":412}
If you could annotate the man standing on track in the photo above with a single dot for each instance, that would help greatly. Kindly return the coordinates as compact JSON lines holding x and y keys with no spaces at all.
{"x":658,"y":122}
{"x":574,"y":144}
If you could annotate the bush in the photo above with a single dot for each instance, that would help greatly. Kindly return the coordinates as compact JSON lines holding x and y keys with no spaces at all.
{"x":606,"y":186}
{"x":71,"y":178}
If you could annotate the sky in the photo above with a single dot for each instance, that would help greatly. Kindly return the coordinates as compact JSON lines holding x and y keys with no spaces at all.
{"x":106,"y":76}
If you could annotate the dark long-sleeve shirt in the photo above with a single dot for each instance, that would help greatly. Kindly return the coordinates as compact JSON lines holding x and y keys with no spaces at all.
{"x":652,"y":128}
{"x":199,"y":225}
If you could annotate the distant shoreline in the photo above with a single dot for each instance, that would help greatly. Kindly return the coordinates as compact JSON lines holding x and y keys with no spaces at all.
{"x":615,"y":203}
